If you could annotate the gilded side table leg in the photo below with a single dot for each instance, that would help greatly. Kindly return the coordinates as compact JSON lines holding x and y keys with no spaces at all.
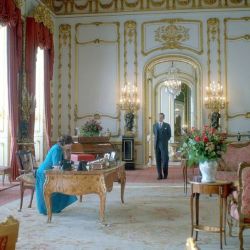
{"x":225,"y":218}
{"x":192,"y":213}
{"x":123,"y":182}
{"x":197,"y":196}
{"x":221,"y":220}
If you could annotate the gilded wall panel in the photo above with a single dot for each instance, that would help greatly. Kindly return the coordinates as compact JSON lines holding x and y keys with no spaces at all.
{"x":64,"y":78}
{"x":168,"y":34}
{"x":237,"y":47}
{"x":213,"y":50}
{"x":97,"y":73}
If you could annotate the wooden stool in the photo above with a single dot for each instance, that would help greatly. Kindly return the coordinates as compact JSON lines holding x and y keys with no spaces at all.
{"x":3,"y":172}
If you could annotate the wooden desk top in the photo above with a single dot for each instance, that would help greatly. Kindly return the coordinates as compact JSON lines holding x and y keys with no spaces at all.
{"x":53,"y":172}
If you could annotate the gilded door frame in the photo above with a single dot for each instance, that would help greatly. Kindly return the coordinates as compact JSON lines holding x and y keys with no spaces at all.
{"x":147,"y":76}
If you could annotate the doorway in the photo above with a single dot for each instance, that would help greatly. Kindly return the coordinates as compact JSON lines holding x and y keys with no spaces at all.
{"x":181,"y":112}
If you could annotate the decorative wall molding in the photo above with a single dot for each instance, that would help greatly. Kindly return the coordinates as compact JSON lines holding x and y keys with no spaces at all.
{"x":130,"y":40}
{"x":233,"y":38}
{"x":42,"y":15}
{"x":97,"y":41}
{"x":71,"y":7}
{"x":213,"y":36}
{"x":172,"y":34}
{"x":64,"y":40}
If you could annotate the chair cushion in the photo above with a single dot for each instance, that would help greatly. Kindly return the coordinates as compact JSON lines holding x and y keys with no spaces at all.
{"x":235,"y":154}
{"x":82,"y":157}
{"x":28,"y":178}
{"x":245,"y":207}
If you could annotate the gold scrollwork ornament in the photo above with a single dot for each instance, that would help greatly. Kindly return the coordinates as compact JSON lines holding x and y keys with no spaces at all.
{"x":172,"y":35}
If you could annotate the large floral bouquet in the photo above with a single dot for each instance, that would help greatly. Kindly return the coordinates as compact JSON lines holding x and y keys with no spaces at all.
{"x":203,"y":145}
{"x":91,"y":128}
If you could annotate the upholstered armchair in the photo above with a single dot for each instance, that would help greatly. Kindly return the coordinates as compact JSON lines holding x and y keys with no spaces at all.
{"x":239,"y":207}
{"x":27,"y":174}
{"x":9,"y":233}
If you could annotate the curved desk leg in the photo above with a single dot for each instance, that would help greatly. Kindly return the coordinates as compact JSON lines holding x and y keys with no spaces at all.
{"x":47,"y":198}
{"x":102,"y":196}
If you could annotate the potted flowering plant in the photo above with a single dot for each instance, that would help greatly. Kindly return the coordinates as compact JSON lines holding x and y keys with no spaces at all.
{"x":91,"y":128}
{"x":204,"y":147}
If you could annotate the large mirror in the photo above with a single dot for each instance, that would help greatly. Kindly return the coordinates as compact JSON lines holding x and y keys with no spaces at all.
{"x":182,"y":112}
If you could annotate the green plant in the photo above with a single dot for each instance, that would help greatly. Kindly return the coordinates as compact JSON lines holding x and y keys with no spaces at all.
{"x":91,"y":128}
{"x":203,"y":145}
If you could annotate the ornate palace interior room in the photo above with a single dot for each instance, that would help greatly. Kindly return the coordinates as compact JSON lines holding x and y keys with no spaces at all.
{"x":125,"y":124}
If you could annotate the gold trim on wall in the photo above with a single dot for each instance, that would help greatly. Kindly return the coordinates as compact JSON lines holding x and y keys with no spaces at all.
{"x":64,"y":37}
{"x":42,"y":15}
{"x":97,"y":41}
{"x":213,"y":35}
{"x":233,"y":38}
{"x":173,"y":32}
{"x":71,"y":7}
{"x":130,"y":37}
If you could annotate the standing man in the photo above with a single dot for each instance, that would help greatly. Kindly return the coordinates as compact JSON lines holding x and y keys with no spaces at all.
{"x":162,"y":133}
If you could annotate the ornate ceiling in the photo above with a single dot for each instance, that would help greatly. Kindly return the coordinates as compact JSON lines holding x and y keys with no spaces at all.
{"x":71,"y":7}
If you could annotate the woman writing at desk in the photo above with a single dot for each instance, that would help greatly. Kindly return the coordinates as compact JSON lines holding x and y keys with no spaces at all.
{"x":54,"y":157}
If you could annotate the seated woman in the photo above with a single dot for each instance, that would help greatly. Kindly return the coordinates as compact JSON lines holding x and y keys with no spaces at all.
{"x":54,"y":157}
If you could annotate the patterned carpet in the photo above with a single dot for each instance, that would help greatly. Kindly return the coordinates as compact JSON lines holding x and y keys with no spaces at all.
{"x":154,"y":216}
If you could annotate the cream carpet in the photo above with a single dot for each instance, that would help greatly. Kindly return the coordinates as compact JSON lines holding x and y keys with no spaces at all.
{"x":154,"y":216}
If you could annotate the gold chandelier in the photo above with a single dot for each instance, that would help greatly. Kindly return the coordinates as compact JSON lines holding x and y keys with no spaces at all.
{"x":173,"y":85}
{"x":214,"y":98}
{"x":129,"y":98}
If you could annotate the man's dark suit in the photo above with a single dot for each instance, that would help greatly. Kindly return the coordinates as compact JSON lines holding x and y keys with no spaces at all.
{"x":162,"y":136}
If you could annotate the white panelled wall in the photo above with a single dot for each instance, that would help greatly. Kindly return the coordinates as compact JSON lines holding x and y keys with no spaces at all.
{"x":95,"y":56}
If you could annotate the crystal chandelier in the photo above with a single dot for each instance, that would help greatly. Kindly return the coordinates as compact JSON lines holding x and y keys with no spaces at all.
{"x":214,"y":98}
{"x":173,"y":85}
{"x":129,"y":98}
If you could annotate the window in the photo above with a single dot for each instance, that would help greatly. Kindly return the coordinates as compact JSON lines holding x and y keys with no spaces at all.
{"x":39,"y":111}
{"x":4,"y":132}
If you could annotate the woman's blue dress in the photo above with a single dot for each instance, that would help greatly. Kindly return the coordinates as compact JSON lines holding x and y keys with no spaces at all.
{"x":59,"y":201}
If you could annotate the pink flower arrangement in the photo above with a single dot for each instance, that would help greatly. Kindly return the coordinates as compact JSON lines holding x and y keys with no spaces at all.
{"x":203,"y":145}
{"x":91,"y":128}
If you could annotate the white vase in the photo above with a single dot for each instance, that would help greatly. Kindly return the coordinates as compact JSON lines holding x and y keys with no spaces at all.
{"x":208,"y":171}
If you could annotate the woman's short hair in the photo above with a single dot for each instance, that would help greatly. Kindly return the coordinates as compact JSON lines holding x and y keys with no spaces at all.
{"x":65,"y":139}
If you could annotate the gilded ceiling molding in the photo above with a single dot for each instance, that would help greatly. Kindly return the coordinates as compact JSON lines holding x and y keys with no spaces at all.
{"x":74,"y":7}
{"x":96,"y":41}
{"x":64,"y":36}
{"x":172,"y":34}
{"x":233,"y":38}
{"x":42,"y":15}
{"x":213,"y":35}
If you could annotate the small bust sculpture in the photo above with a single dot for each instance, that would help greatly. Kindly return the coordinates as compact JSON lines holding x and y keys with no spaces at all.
{"x":129,"y":120}
{"x":215,"y":117}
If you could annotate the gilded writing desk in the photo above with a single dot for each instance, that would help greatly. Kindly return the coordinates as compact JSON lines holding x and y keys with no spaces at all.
{"x":222,"y":189}
{"x":84,"y":182}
